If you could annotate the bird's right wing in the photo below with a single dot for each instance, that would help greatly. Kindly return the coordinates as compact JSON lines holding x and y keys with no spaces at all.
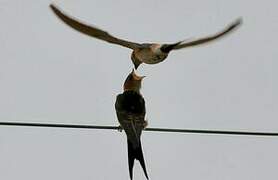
{"x":91,"y":30}
{"x":210,"y":38}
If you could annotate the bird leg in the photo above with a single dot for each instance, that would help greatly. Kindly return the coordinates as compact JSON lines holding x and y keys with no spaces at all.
{"x":145,"y":124}
{"x":120,"y":128}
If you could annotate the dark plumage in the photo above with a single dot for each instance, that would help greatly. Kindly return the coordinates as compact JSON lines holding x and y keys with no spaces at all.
{"x":130,"y":109}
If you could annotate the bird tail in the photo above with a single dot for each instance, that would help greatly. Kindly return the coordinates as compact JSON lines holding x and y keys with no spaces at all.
{"x":135,"y":153}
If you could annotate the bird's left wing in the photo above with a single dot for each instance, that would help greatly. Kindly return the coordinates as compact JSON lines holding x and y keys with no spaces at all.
{"x":91,"y":30}
{"x":211,"y":38}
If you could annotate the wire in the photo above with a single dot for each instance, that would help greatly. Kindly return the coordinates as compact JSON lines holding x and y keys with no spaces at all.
{"x":201,"y":131}
{"x":58,"y":125}
{"x":191,"y":131}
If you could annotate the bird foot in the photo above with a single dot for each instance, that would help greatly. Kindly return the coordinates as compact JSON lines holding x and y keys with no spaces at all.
{"x":120,"y":128}
{"x":145,"y":124}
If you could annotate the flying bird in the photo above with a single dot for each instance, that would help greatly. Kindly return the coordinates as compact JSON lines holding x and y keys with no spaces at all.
{"x":130,"y":109}
{"x":149,"y":53}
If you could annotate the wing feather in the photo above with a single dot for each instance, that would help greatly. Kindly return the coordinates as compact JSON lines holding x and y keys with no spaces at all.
{"x":230,"y":28}
{"x":91,"y":30}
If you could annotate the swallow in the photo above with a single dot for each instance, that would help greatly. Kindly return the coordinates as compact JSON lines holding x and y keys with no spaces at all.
{"x":148,"y":53}
{"x":130,"y":110}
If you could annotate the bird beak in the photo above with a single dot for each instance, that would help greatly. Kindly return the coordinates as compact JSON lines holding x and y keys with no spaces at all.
{"x":136,"y":77}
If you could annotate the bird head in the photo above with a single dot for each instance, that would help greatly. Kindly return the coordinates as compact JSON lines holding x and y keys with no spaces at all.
{"x":133,"y":82}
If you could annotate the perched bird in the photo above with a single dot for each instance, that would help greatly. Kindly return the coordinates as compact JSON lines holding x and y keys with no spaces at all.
{"x":149,"y":53}
{"x":130,"y":109}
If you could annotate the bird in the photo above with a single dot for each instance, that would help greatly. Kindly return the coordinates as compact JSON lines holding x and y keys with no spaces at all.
{"x":148,"y":53}
{"x":131,"y":110}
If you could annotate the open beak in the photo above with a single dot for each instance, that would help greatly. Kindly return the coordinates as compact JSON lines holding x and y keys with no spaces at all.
{"x":136,"y":77}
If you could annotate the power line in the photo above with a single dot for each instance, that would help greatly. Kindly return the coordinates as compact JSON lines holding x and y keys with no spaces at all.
{"x":191,"y":131}
{"x":201,"y":131}
{"x":58,"y":125}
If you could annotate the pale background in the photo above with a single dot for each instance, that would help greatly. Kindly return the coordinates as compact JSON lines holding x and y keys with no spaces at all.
{"x":50,"y":73}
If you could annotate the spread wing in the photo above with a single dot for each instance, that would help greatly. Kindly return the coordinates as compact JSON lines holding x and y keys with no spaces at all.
{"x":230,"y":28}
{"x":91,"y":30}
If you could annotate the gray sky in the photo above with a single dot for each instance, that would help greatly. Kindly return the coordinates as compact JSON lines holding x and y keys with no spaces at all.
{"x":50,"y":73}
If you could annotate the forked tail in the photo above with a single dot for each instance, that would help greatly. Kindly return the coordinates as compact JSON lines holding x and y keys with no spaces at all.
{"x":135,"y":153}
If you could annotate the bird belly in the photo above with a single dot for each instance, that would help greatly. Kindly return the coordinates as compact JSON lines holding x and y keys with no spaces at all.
{"x":150,"y":57}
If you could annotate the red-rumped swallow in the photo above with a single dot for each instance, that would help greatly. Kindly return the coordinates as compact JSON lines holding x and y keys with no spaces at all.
{"x":130,"y":109}
{"x":149,"y":53}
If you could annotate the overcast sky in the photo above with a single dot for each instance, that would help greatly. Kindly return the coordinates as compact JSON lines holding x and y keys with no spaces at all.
{"x":52,"y":74}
